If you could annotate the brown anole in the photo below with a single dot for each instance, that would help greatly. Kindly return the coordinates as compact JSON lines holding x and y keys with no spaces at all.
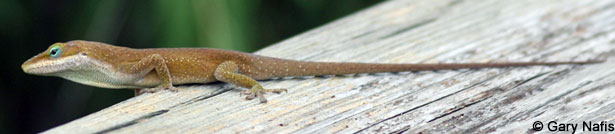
{"x":108,"y":66}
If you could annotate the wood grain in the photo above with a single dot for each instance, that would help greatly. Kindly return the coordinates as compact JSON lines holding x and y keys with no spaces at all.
{"x":505,"y":100}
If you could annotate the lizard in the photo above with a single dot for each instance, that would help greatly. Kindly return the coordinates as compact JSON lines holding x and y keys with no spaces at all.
{"x":154,"y":69}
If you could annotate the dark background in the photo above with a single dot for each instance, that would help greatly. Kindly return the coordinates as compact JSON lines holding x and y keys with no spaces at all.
{"x":31,"y":104}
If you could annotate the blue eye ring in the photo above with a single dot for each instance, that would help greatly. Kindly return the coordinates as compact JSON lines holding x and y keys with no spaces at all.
{"x":55,"y":52}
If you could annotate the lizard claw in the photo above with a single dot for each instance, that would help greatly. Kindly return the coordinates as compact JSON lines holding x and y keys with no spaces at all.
{"x":156,"y":89}
{"x":257,"y":91}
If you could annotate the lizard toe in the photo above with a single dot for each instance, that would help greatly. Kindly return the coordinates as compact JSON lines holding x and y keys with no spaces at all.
{"x":277,"y":91}
{"x":150,"y":90}
{"x":172,"y":89}
{"x":159,"y":88}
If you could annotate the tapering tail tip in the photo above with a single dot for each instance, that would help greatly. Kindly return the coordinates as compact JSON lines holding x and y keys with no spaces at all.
{"x":591,"y":61}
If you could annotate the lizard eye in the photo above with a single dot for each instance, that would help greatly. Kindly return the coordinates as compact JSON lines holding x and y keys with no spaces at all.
{"x":55,"y":52}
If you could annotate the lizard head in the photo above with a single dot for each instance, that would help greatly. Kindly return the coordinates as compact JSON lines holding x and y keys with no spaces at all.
{"x":57,"y":58}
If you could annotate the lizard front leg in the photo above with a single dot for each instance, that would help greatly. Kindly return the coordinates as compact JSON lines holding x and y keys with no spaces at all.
{"x":148,"y":64}
{"x":228,"y":72}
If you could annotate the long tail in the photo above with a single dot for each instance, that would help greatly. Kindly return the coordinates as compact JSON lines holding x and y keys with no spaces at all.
{"x":282,"y":68}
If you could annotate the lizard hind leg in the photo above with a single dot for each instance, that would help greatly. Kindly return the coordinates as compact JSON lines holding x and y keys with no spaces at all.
{"x":228,"y":72}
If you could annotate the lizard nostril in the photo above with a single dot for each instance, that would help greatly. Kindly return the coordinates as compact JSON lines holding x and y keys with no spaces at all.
{"x":25,"y":68}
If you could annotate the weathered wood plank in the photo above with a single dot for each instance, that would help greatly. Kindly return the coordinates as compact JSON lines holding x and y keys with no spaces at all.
{"x":416,"y":31}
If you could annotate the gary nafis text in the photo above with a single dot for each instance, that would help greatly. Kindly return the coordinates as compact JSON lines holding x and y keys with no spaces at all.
{"x":586,"y":126}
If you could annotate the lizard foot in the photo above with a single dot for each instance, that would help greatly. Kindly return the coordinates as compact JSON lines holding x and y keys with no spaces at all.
{"x":156,"y":89}
{"x":257,"y":91}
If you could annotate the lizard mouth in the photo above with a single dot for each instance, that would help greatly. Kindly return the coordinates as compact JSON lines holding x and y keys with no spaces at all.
{"x":48,"y":67}
{"x":40,"y":67}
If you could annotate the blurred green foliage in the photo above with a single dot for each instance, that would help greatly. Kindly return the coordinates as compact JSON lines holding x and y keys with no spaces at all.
{"x":34,"y":103}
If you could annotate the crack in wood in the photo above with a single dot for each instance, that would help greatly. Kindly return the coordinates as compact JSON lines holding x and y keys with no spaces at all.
{"x":483,"y":96}
{"x":457,"y":109}
{"x":428,"y":103}
{"x":135,"y":121}
{"x":201,"y":97}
